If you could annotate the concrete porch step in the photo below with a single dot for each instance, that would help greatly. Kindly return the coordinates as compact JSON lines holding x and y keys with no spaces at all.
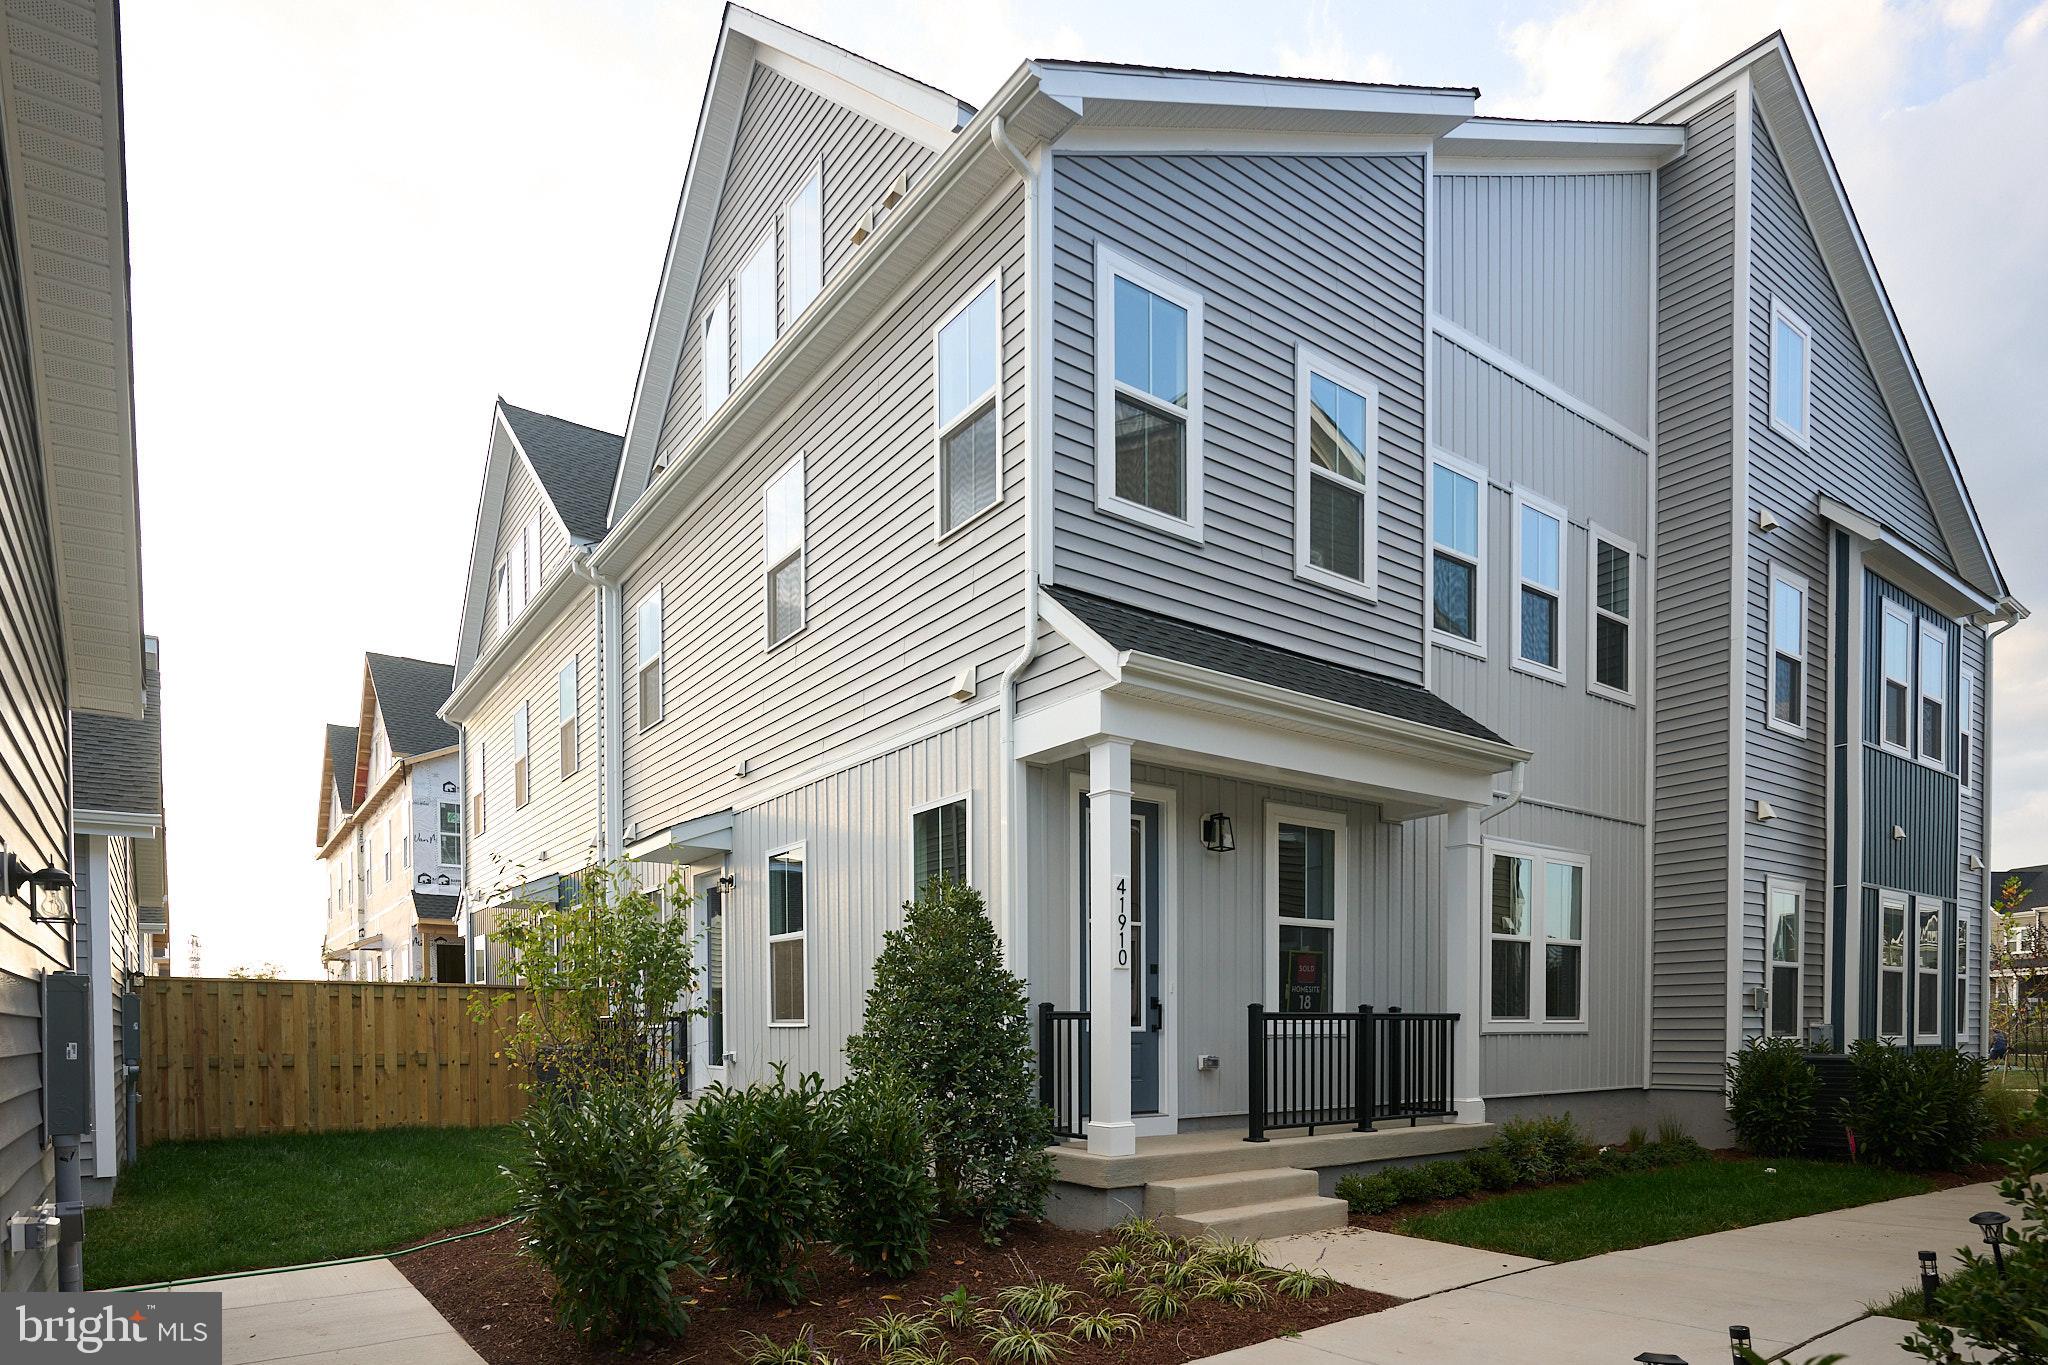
{"x":1201,"y":1193}
{"x":1267,"y":1218}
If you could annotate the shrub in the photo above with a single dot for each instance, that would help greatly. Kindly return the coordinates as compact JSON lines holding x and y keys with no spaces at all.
{"x":611,"y":1203}
{"x":1414,"y":1184}
{"x":946,"y":1016}
{"x":1917,"y":1110}
{"x":1492,"y":1169}
{"x":2008,"y":1111}
{"x":883,"y":1197}
{"x":1373,"y":1193}
{"x":1773,"y":1096}
{"x":1541,"y":1150}
{"x":1452,"y":1179}
{"x":766,"y":1178}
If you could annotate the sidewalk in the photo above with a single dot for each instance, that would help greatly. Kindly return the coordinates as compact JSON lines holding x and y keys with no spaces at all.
{"x":362,"y":1314}
{"x":1790,"y":1283}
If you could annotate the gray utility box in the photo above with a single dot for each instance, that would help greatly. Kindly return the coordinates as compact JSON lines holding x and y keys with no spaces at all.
{"x":131,"y":1030}
{"x":67,"y":1054}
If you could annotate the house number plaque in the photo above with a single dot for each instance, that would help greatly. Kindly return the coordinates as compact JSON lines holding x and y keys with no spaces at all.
{"x":1123,"y":925}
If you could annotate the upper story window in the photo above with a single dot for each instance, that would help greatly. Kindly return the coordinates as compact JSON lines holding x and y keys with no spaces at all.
{"x":717,"y":354}
{"x":1611,"y":571}
{"x":757,"y":306}
{"x":1791,"y":372}
{"x":1933,"y":693}
{"x":1539,"y":560}
{"x":1457,"y":531}
{"x":1895,"y":654}
{"x":1336,"y":474}
{"x":389,"y":844}
{"x":1148,"y":396}
{"x":804,"y":220}
{"x":970,"y":409}
{"x":476,"y":795}
{"x":938,"y":844}
{"x":565,"y":716}
{"x":782,"y":518}
{"x":451,"y":834}
{"x":647,"y":655}
{"x":522,"y":768}
{"x":1536,"y":961}
{"x":1788,"y":651}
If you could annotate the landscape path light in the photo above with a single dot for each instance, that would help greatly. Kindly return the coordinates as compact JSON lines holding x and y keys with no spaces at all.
{"x":1930,"y":1280}
{"x":1993,"y":1227}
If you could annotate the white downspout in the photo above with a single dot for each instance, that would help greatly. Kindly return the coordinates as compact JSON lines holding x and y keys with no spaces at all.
{"x":1518,"y":778}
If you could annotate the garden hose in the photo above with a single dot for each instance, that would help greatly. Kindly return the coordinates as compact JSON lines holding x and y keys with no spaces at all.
{"x":313,"y":1265}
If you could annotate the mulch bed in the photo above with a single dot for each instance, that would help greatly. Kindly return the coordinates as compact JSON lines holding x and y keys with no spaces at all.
{"x":498,"y":1301}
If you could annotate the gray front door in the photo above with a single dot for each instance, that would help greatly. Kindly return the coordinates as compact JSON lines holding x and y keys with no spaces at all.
{"x":1147,"y":1013}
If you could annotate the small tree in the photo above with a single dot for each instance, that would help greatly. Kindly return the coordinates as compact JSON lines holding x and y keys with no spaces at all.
{"x":2024,"y":975}
{"x":945,"y":1016}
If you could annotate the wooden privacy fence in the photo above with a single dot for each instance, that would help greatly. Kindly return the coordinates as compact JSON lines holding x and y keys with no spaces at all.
{"x":231,"y":1058}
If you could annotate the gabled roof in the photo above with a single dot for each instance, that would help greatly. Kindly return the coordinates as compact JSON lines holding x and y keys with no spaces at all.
{"x":574,"y":465}
{"x":337,"y":779}
{"x":117,"y":764}
{"x":408,"y":694}
{"x":2033,"y":885}
{"x":1781,"y":99}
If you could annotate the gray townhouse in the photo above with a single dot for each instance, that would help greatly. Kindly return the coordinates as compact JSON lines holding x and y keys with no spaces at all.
{"x":1408,"y":618}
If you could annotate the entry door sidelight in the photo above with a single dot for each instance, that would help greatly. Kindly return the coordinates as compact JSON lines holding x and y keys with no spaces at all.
{"x":1148,"y":1013}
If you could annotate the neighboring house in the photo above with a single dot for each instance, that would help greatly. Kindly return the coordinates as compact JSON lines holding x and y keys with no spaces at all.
{"x":1398,"y":558}
{"x":2019,"y":972}
{"x":120,"y":900}
{"x":70,"y":553}
{"x":389,"y":831}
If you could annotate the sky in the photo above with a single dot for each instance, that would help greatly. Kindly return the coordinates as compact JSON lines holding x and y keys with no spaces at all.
{"x":354,"y":224}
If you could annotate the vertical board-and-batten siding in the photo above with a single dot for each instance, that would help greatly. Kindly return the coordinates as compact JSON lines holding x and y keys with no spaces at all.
{"x":891,"y":612}
{"x":1696,"y":240}
{"x":1973,"y":886}
{"x":35,"y":766}
{"x":787,"y":131}
{"x":1325,"y":251}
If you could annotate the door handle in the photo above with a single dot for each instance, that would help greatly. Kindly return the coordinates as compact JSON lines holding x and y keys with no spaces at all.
{"x":1157,"y":1014}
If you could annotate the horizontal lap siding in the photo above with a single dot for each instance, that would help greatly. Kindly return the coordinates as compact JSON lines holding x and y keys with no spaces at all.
{"x":1325,"y":251}
{"x":1057,"y":673}
{"x":892,"y":614}
{"x":786,"y":131}
{"x":1695,"y":502}
{"x":524,"y":499}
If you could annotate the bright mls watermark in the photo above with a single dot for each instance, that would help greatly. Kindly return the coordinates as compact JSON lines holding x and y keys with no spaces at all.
{"x":165,"y":1328}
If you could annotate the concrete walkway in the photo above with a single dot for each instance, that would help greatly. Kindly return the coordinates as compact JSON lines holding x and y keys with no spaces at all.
{"x":1791,"y":1283}
{"x":362,"y":1314}
{"x":1406,"y":1267}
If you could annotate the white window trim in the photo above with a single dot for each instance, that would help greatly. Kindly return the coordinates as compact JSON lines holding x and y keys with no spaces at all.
{"x":1776,"y":574}
{"x":1780,"y":312}
{"x":1308,"y":363}
{"x":504,"y":582}
{"x":817,"y":175}
{"x":440,"y":833}
{"x":642,"y":663}
{"x":741,"y":369}
{"x":530,"y":558}
{"x":1900,"y":901}
{"x":803,"y":557}
{"x":1960,"y":973}
{"x":479,"y":809}
{"x":1538,"y":937}
{"x":941,"y":531}
{"x":1276,"y":816}
{"x":1893,"y":611}
{"x":804,"y":934}
{"x":1966,"y":724}
{"x":1923,"y":906}
{"x":1524,"y":498}
{"x":720,"y":314}
{"x":965,"y":798}
{"x":522,"y":756}
{"x":1477,"y":645}
{"x":1925,"y":630}
{"x":1595,"y":537}
{"x":573,"y":721}
{"x":1110,"y":263}
{"x":1773,"y":888}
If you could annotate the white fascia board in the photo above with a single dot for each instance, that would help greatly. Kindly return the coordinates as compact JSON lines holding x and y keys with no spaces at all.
{"x":1895,"y":558}
{"x":1629,"y":145}
{"x":690,"y":841}
{"x":1078,"y":633}
{"x":540,"y":616}
{"x":483,"y":540}
{"x":1131,"y":90}
{"x":116,"y":824}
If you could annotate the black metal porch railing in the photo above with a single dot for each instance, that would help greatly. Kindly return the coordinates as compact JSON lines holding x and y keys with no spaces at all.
{"x":1325,"y":1070}
{"x":1063,"y":1068}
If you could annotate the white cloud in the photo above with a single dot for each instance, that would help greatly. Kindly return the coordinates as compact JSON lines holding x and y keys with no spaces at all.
{"x":1326,"y":52}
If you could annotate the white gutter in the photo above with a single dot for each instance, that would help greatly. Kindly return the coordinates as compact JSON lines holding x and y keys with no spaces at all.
{"x":1518,"y":778}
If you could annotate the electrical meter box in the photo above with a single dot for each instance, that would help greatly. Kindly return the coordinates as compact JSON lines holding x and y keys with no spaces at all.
{"x":131,"y":1029}
{"x":67,"y":1053}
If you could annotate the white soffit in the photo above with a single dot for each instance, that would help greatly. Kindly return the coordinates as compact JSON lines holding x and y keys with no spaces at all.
{"x":1628,"y":146}
{"x":1147,"y":97}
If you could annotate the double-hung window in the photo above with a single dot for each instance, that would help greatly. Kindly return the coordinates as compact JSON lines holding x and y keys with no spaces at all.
{"x":476,"y":795}
{"x":1933,"y":694}
{"x":1336,"y":474}
{"x":647,"y":654}
{"x":757,"y":306}
{"x":782,"y":521}
{"x":1539,"y":593}
{"x":451,"y":834}
{"x":1148,"y":396}
{"x":804,"y":221}
{"x":1784,"y":1006}
{"x":389,"y":843}
{"x":1457,"y":531}
{"x":1787,"y":701}
{"x":1610,"y":570}
{"x":786,"y":937}
{"x":1891,"y":966}
{"x":522,"y":768}
{"x":938,"y":844}
{"x":1536,"y":956}
{"x":504,"y":595}
{"x":1895,"y":720}
{"x":1926,"y":969}
{"x":1307,"y":890}
{"x":970,"y":408}
{"x":565,"y":716}
{"x":1791,"y":371}
{"x":717,"y":338}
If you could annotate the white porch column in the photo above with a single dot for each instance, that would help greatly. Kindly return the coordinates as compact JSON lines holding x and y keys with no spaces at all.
{"x":1110,"y":1130}
{"x":1464,"y":911}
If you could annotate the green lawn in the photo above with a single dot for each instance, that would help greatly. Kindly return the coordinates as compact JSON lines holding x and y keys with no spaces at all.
{"x":1614,"y":1213}
{"x":202,"y":1208}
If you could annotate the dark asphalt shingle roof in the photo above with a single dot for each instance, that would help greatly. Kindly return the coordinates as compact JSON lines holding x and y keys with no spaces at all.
{"x":341,"y":751}
{"x":428,"y":906}
{"x":117,"y":763}
{"x":576,"y":466}
{"x":409,"y":694}
{"x":1149,"y":632}
{"x":2033,"y":883}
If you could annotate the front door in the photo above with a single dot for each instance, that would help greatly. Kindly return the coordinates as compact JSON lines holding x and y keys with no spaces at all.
{"x":448,"y":963}
{"x":1147,"y":1012}
{"x":707,"y":1034}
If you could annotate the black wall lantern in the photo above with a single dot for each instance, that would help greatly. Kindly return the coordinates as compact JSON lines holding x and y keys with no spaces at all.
{"x":51,"y":884}
{"x":1217,"y":834}
{"x":1993,"y":1227}
{"x":726,"y":882}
